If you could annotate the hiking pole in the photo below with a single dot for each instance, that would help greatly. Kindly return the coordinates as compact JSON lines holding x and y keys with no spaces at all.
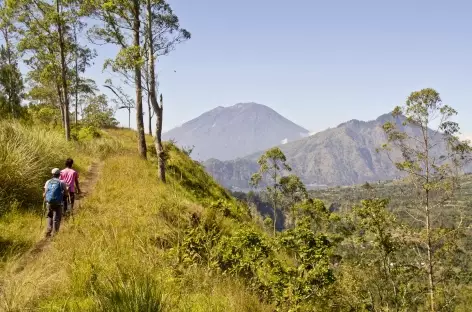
{"x":43,"y":214}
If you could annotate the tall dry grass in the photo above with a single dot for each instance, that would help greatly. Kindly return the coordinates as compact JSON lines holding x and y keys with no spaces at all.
{"x":110,"y":257}
{"x":26,"y":158}
{"x":27,"y":155}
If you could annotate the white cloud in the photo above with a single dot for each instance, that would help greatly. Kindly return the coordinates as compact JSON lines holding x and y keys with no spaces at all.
{"x":284,"y":141}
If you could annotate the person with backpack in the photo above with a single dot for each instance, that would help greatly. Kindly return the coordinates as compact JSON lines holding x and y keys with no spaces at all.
{"x":71,"y":178}
{"x":54,"y":193}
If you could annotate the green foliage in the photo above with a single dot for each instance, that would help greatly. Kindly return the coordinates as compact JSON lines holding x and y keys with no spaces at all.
{"x":50,"y":49}
{"x":45,"y":115}
{"x":98,"y":114}
{"x":88,"y":133}
{"x":384,"y":248}
{"x":312,"y":273}
{"x":432,"y":174}
{"x":293,"y":191}
{"x":11,"y":86}
{"x":255,"y":257}
{"x":273,"y":164}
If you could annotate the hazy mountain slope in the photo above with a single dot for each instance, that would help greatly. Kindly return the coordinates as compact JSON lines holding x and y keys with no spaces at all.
{"x":343,"y":155}
{"x":230,"y":132}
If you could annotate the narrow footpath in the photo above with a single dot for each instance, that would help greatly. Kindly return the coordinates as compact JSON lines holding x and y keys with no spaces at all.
{"x":87,"y":182}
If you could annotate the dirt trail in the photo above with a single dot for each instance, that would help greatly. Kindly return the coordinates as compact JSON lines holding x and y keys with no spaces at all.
{"x":87,"y":182}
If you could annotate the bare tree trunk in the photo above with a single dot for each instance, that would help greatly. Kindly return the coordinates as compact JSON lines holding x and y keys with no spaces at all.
{"x":428,"y":221}
{"x":146,"y":78}
{"x":430,"y":254}
{"x":149,"y":114}
{"x":275,"y":199}
{"x":139,"y":88}
{"x":62,"y":114}
{"x":161,"y":164}
{"x":63,"y":72}
{"x":6,"y":37}
{"x":76,"y":78}
{"x":61,"y":103}
{"x":152,"y":92}
{"x":148,"y":95}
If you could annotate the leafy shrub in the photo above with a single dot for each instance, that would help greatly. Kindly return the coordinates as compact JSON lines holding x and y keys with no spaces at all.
{"x":88,"y":133}
{"x":298,"y":281}
{"x":45,"y":115}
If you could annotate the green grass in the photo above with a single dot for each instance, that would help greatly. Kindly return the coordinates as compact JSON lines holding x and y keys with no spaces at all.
{"x":120,"y":253}
{"x":27,"y":155}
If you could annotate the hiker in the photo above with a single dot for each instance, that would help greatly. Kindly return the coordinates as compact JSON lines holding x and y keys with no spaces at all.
{"x":71,"y":178}
{"x":54,"y":192}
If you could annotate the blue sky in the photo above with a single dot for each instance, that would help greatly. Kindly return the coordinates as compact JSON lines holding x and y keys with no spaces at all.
{"x":318,"y":63}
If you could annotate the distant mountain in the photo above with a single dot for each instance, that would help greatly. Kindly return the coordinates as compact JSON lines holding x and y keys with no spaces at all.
{"x":227,"y":133}
{"x":344,"y":155}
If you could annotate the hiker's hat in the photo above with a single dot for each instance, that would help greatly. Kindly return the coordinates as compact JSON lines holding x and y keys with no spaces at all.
{"x":56,"y":171}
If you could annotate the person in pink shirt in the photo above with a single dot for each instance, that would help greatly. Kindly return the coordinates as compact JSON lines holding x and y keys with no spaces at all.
{"x":71,"y":178}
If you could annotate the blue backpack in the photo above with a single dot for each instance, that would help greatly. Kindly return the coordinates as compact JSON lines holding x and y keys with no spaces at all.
{"x":54,"y":192}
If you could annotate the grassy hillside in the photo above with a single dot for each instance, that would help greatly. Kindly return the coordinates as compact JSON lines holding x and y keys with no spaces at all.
{"x":121,"y":252}
{"x":136,"y":244}
{"x":27,"y":155}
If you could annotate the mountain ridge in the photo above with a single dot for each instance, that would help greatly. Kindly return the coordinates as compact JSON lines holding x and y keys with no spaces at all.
{"x":235,"y":131}
{"x":344,"y":155}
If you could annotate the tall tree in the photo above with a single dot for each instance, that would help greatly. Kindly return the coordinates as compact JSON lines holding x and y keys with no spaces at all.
{"x":148,"y":96}
{"x":432,"y":172}
{"x":10,"y":76}
{"x":60,"y":24}
{"x":293,"y":191}
{"x":97,"y":113}
{"x":47,"y":43}
{"x":121,"y":25}
{"x":273,"y":164}
{"x":163,"y":33}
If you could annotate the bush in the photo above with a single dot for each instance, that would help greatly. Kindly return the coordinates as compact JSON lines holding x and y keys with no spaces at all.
{"x":26,"y":157}
{"x":88,"y":133}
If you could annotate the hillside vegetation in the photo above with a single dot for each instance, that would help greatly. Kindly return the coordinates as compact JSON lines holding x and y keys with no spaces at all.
{"x":113,"y":254}
{"x":399,"y":194}
{"x":27,"y":155}
{"x":138,"y":244}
